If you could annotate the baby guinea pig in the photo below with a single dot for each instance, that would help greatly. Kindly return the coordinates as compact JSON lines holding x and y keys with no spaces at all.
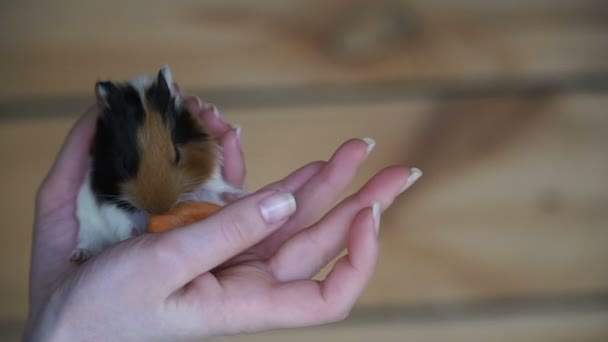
{"x":148,"y":154}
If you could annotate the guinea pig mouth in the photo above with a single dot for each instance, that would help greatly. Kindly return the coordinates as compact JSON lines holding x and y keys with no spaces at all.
{"x":187,"y":197}
{"x":126,"y":205}
{"x":199,"y":194}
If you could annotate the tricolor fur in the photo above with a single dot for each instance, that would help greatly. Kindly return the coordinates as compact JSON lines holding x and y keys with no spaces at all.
{"x":148,"y":155}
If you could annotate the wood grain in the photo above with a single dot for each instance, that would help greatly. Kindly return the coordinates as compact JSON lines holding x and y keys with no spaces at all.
{"x":526,"y":218}
{"x":62,"y":47}
{"x":560,"y":327}
{"x":568,"y":327}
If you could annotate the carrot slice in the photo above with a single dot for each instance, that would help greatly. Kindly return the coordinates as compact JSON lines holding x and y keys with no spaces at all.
{"x":182,"y":215}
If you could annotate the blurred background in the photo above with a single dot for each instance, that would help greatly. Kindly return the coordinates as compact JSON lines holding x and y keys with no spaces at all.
{"x":502,"y":103}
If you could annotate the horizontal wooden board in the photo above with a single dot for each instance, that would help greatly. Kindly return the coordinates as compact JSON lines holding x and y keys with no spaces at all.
{"x":560,"y":327}
{"x":589,"y":327}
{"x":526,"y":215}
{"x":63,"y":47}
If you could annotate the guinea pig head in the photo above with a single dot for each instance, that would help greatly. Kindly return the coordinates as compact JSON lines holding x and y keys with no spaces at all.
{"x":148,"y":150}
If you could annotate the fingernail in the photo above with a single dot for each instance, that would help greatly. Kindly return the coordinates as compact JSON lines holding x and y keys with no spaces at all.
{"x":371,"y":143}
{"x":216,"y":112}
{"x":237,"y":130}
{"x":376,"y":217}
{"x":204,"y":105}
{"x":415,"y":174}
{"x":277,"y":207}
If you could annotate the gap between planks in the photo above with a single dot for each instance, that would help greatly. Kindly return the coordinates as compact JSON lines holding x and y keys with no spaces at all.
{"x":303,"y":96}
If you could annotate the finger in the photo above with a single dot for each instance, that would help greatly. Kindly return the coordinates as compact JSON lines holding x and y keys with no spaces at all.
{"x":208,"y":114}
{"x":195,"y":249}
{"x":234,"y":161}
{"x":323,"y":189}
{"x":310,"y":302}
{"x":303,"y":256}
{"x":229,"y":139}
{"x":69,"y":168}
{"x":193,"y":105}
{"x":347,"y":280}
{"x":290,"y":184}
{"x":213,"y":120}
{"x":298,"y":178}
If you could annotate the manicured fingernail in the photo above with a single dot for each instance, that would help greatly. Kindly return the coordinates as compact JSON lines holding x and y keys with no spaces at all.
{"x":277,"y":207}
{"x":237,"y":130}
{"x":217,"y":114}
{"x":216,"y":111}
{"x":204,"y":105}
{"x":415,"y":174}
{"x":371,"y":143}
{"x":376,"y":216}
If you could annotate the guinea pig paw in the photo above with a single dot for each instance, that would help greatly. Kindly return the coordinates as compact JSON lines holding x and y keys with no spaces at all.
{"x":135,"y":232}
{"x":80,"y":255}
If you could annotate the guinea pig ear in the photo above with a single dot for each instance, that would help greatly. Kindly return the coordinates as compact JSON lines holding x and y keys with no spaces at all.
{"x":164,"y":83}
{"x":104,"y":91}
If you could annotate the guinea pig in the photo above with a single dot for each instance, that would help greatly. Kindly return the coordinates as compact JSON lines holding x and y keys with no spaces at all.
{"x":148,"y":154}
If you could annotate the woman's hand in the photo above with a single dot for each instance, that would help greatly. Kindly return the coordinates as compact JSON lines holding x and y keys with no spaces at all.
{"x":247,"y":268}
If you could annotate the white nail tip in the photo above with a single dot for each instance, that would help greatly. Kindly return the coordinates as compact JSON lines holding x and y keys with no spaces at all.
{"x":371,"y":143}
{"x":216,"y":112}
{"x":376,"y":216}
{"x":415,"y":174}
{"x":237,"y":130}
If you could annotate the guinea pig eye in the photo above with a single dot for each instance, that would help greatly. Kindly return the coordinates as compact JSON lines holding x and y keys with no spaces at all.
{"x":178,"y":155}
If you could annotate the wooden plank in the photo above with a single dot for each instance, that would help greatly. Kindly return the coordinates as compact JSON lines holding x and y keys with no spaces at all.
{"x":568,"y":327}
{"x":561,"y":327}
{"x":529,"y":217}
{"x":62,"y":47}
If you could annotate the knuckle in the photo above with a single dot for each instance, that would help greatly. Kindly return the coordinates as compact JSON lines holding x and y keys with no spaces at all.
{"x":330,"y":175}
{"x":334,"y":313}
{"x":341,"y":312}
{"x":235,"y":229}
{"x":165,"y":249}
{"x":313,"y":240}
{"x":358,"y":200}
{"x":335,"y":309}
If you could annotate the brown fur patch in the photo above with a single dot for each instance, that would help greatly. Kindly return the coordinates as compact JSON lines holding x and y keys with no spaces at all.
{"x":198,"y":161}
{"x":160,"y":182}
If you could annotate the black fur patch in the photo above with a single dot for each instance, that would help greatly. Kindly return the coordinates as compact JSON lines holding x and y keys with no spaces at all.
{"x":126,"y":206}
{"x":186,"y":129}
{"x":114,"y":148}
{"x":183,"y":127}
{"x":159,"y":96}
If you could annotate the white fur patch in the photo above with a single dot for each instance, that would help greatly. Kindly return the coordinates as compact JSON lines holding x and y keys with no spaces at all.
{"x":168,"y":75}
{"x":214,"y":190}
{"x":102,"y":94}
{"x":103,"y":225}
{"x":141,"y":83}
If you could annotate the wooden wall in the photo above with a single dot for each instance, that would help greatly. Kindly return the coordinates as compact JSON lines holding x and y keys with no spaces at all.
{"x":502,"y":104}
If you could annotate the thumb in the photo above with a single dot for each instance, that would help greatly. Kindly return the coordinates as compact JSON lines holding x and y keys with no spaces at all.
{"x":202,"y":246}
{"x":69,"y":168}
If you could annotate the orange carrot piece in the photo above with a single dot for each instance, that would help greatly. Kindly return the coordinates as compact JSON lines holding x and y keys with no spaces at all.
{"x":182,"y":215}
